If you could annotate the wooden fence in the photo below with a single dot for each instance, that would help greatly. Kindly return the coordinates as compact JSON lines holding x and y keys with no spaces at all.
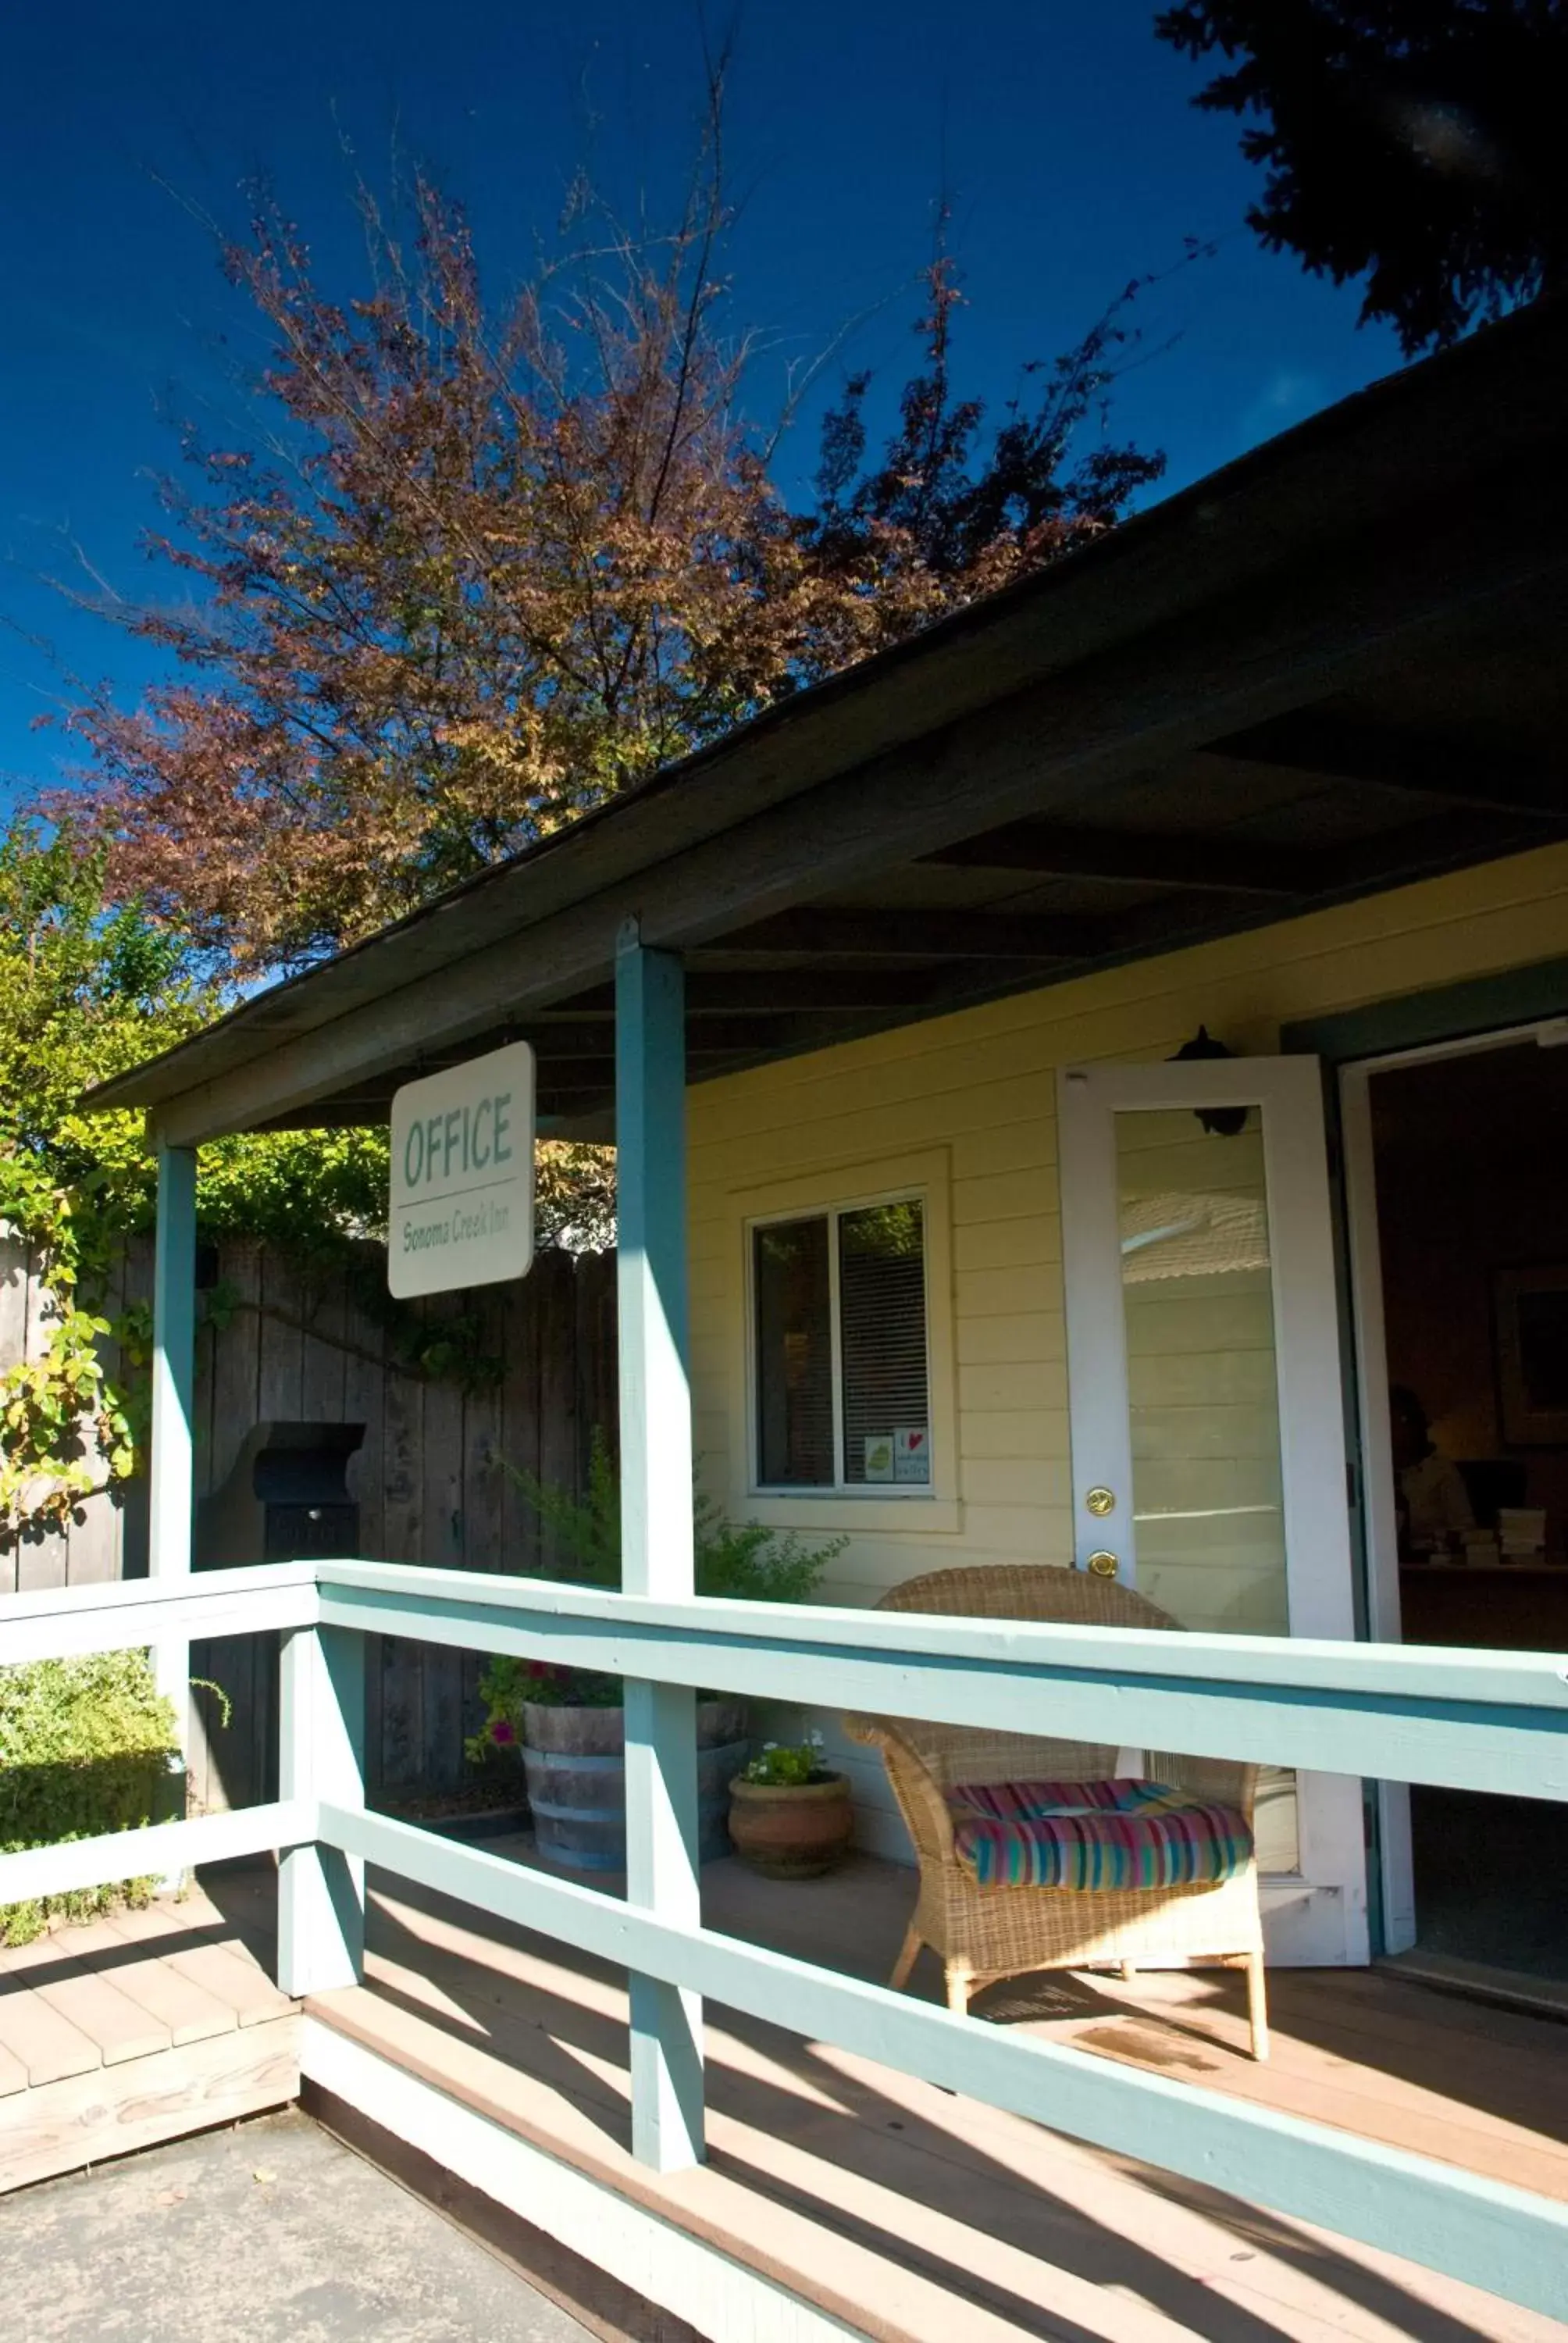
{"x":105,"y":1539}
{"x":431,"y":1478}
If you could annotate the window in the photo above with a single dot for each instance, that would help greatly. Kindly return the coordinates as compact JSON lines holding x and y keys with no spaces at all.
{"x":841,"y":1386}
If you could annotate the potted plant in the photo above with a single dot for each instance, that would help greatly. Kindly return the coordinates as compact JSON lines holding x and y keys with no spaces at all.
{"x":563,"y":1730}
{"x":790,"y":1815}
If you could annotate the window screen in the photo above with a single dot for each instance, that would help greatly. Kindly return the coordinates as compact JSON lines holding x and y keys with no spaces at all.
{"x":882,"y":1336}
{"x":793,"y":1300}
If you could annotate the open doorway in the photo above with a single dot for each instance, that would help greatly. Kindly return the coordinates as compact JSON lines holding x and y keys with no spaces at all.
{"x":1457,"y":1168}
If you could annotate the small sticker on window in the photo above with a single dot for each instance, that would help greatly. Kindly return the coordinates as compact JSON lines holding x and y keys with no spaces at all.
{"x":911,"y":1453}
{"x":878,"y":1454}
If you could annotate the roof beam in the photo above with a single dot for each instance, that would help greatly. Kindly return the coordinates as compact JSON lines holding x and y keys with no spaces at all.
{"x":1046,"y":850}
{"x":915,"y":934}
{"x":1310,"y":740}
{"x":773,"y":992}
{"x":584,"y":1035}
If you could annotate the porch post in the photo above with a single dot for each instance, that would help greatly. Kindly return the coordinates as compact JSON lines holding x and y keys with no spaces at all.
{"x":170,"y":1467}
{"x":321,"y":1755}
{"x":657,"y":1525}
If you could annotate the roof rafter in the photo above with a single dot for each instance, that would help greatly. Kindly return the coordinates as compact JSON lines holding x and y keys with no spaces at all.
{"x":1488,"y":779}
{"x":1047,"y":849}
{"x":917,"y":934}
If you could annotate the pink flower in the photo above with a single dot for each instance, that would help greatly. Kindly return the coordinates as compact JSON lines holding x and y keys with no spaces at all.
{"x":503,"y":1730}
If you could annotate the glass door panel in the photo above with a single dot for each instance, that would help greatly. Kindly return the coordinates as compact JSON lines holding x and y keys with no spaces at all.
{"x":1204,"y":1398}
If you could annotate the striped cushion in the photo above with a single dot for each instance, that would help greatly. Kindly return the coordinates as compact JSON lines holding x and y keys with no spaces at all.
{"x":1089,"y":1835}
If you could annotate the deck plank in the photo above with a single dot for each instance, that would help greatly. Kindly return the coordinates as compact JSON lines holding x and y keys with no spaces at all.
{"x":1425,"y":2123}
{"x":48,"y":2044}
{"x":226,"y":1969}
{"x":120,"y":2026}
{"x":189,"y":2012}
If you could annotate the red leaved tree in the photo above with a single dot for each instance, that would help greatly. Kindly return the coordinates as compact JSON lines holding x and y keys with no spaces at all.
{"x":498,"y":561}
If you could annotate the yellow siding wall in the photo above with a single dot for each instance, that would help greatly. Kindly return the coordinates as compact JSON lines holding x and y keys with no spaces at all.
{"x":980,"y":1087}
{"x":976,"y":1092}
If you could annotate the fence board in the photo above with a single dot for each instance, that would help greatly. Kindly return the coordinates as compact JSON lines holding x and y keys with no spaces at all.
{"x":94,"y":1537}
{"x":364,"y":1389}
{"x":520,"y":1412}
{"x":236,"y":1359}
{"x":137,"y":1295}
{"x":402,"y":1674}
{"x":323,"y":1378}
{"x":598,"y":1382}
{"x":92,"y":1540}
{"x":284,"y":1303}
{"x":203,"y":1460}
{"x":443,"y":1545}
{"x":226,"y":1761}
{"x":558,"y":1426}
{"x":15,"y":1276}
{"x":288,"y":1302}
{"x":42,"y":1312}
{"x":483,"y":1533}
{"x":41,"y":1558}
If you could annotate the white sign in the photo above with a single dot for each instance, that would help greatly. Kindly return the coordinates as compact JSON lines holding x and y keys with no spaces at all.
{"x":463,"y":1176}
{"x":911,"y":1453}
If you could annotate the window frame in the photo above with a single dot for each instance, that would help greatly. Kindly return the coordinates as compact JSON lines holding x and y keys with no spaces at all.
{"x":860,"y":1507}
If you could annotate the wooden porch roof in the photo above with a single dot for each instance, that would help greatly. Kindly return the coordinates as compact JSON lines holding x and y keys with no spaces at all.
{"x":1335,"y":666}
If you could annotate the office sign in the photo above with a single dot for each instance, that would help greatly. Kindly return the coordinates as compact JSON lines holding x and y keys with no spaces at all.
{"x":462,"y":1208}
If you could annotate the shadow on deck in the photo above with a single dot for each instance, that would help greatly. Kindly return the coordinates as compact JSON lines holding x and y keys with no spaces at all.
{"x":908,"y":2212}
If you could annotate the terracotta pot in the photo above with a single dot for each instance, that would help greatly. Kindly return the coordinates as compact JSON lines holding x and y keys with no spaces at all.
{"x":791,"y":1830}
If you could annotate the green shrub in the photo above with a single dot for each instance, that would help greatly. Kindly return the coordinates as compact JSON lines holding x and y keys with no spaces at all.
{"x":84,"y":1749}
{"x":740,"y":1560}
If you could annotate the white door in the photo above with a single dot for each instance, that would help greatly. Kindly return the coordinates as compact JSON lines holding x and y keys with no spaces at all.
{"x":1205,"y":1402}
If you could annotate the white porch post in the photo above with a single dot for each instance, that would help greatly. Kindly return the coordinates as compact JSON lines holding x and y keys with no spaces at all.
{"x":321,"y":1890}
{"x":170,"y":1465}
{"x":656,"y":1525}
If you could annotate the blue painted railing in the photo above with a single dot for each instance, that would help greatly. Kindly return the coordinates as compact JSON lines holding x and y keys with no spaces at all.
{"x":1478,"y":1720}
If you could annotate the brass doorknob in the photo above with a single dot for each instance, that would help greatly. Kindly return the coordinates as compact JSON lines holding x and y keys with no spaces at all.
{"x":1100,"y":1501}
{"x":1103,"y":1564}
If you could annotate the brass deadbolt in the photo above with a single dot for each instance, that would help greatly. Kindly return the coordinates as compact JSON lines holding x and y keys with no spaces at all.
{"x":1100,"y":1501}
{"x":1103,"y":1564}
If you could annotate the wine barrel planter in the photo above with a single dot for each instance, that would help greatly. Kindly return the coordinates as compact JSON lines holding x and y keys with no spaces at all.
{"x":574,"y":1760}
{"x":791,"y":1830}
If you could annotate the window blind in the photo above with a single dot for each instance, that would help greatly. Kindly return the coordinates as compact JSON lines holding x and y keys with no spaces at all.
{"x":883,"y":1344}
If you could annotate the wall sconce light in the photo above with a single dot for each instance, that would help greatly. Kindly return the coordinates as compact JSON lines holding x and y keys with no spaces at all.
{"x":1219,"y":1121}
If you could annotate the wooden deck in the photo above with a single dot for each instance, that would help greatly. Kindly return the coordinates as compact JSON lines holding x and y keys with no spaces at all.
{"x":133,"y":2030}
{"x":911,"y":2214}
{"x":904,"y":2212}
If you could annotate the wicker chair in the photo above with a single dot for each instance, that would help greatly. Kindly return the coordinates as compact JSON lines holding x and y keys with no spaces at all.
{"x":982,"y":1934}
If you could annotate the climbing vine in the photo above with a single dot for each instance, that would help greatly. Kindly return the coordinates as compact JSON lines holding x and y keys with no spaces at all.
{"x":88,"y":988}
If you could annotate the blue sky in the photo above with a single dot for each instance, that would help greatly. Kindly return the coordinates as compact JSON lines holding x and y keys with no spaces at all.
{"x":1062,"y":131}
